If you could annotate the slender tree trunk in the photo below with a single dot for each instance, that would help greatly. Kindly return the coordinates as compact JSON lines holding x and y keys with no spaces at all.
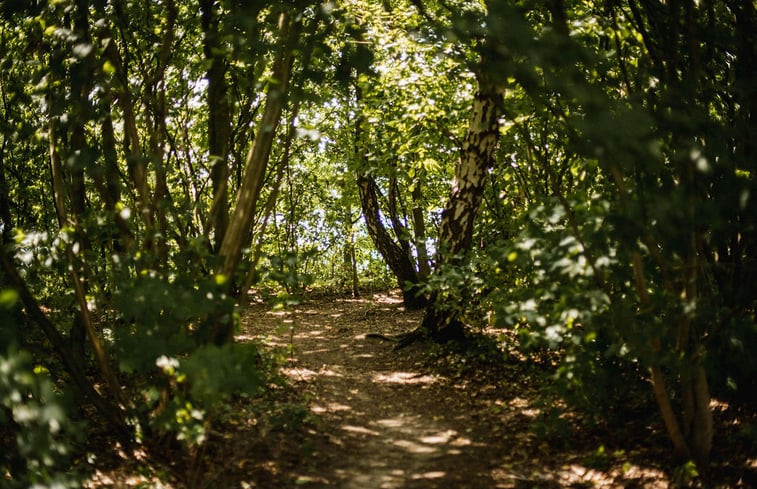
{"x":135,"y":159}
{"x":353,"y":267}
{"x":108,"y":184}
{"x":155,"y":87}
{"x":400,"y":231}
{"x":257,"y":158}
{"x":219,"y":123}
{"x":394,"y":255}
{"x":668,"y":414}
{"x":83,"y":324}
{"x":5,"y":210}
{"x":256,"y":163}
{"x":270,"y":204}
{"x":80,"y":83}
{"x":56,"y":177}
{"x":695,"y":393}
{"x":419,"y":230}
{"x":252,"y":273}
{"x":81,"y":75}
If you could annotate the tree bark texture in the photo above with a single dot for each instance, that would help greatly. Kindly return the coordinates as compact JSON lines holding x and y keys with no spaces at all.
{"x":252,"y":273}
{"x":108,"y":185}
{"x":477,"y":157}
{"x":459,"y":215}
{"x":219,"y":123}
{"x":135,"y":160}
{"x":419,"y":230}
{"x":259,"y":154}
{"x":395,"y":254}
{"x":5,"y":209}
{"x":239,"y":227}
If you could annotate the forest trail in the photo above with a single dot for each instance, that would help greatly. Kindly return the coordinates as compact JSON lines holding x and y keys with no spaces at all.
{"x":384,"y":419}
{"x":388,"y":424}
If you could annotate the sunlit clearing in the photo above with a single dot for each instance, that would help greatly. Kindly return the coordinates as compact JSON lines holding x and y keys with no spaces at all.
{"x":330,"y":407}
{"x":299,"y":373}
{"x":442,"y":437}
{"x":430,"y":475}
{"x":359,"y":429}
{"x":414,"y":447}
{"x":404,"y":378}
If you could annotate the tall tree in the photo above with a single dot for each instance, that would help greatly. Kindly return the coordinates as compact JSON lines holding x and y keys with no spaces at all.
{"x":476,"y":158}
{"x":289,"y":26}
{"x":219,"y":125}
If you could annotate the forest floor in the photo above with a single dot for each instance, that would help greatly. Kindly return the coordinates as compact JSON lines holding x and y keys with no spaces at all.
{"x":355,"y":413}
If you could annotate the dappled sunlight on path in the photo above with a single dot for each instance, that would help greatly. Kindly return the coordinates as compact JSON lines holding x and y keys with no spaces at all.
{"x":384,"y":419}
{"x":388,"y":423}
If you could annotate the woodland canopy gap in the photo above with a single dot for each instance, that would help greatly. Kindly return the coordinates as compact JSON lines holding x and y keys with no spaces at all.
{"x":577,"y":176}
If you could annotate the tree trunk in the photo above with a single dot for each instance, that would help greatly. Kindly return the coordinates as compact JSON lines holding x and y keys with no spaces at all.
{"x":353,"y":267}
{"x":256,"y":163}
{"x":702,"y":426}
{"x":456,"y":230}
{"x":219,"y":124}
{"x":82,"y":325}
{"x":108,"y":184}
{"x":252,"y":272}
{"x":419,"y":230}
{"x":395,"y":256}
{"x":5,"y":210}
{"x":135,"y":160}
{"x":155,"y":86}
{"x":111,"y":411}
{"x":56,"y":177}
{"x":257,"y":158}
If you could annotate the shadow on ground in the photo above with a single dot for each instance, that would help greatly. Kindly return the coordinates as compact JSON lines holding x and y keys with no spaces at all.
{"x":385,"y":419}
{"x":356,"y":414}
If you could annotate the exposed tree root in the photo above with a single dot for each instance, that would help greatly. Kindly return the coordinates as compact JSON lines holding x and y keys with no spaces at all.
{"x":402,"y":340}
{"x":454,"y":331}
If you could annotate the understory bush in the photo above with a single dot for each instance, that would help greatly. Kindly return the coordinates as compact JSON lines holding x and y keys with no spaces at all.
{"x":37,"y":433}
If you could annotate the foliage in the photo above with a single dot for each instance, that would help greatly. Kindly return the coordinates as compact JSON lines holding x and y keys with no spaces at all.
{"x":201,"y":382}
{"x":36,"y":430}
{"x":157,"y":160}
{"x":621,"y":263}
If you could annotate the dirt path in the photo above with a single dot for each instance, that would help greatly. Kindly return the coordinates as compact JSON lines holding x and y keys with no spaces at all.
{"x":383,"y":420}
{"x":388,"y":423}
{"x":354,"y":414}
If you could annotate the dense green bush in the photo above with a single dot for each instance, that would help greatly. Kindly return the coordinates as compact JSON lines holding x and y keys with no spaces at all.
{"x":36,"y":431}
